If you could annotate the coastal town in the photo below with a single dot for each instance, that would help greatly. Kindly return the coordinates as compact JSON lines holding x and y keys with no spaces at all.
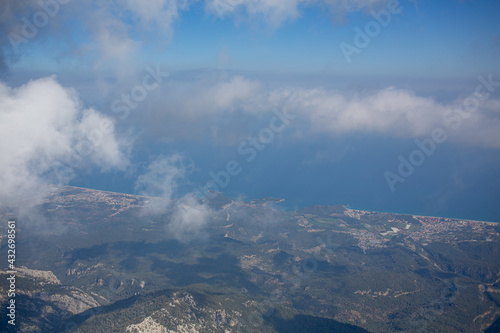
{"x":375,"y":229}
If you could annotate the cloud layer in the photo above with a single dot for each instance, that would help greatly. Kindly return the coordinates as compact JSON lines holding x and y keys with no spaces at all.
{"x":226,"y":108}
{"x":395,"y":112}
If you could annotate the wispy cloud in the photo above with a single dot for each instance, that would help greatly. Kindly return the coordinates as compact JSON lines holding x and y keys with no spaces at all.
{"x":341,"y":7}
{"x":187,"y":216}
{"x":189,"y":219}
{"x":160,"y":182}
{"x":158,"y":14}
{"x":275,"y":13}
{"x":108,"y":34}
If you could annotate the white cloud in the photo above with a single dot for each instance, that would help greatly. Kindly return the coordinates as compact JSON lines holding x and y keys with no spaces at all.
{"x":160,"y":13}
{"x":221,"y":104}
{"x":113,"y":43}
{"x":229,"y":95}
{"x":160,"y":181}
{"x":161,"y":177}
{"x":42,"y":124}
{"x":111,"y":150}
{"x":189,"y":108}
{"x":391,"y":111}
{"x":111,"y":48}
{"x":189,"y":219}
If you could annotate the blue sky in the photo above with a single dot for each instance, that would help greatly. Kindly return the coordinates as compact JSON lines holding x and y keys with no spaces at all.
{"x":444,"y":38}
{"x":221,"y":76}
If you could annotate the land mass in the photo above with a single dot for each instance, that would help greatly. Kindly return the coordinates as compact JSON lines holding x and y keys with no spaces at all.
{"x":95,"y":261}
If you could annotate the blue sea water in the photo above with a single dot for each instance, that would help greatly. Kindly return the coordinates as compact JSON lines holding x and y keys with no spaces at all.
{"x":452,"y":182}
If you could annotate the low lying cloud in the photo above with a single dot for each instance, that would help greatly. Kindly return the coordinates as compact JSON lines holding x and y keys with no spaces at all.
{"x":191,"y":108}
{"x":160,"y":181}
{"x":226,"y":106}
{"x":187,"y":216}
{"x":390,"y":110}
{"x":214,"y":95}
{"x":189,"y":219}
{"x":394,"y":112}
{"x":43,"y":126}
{"x":228,"y":95}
